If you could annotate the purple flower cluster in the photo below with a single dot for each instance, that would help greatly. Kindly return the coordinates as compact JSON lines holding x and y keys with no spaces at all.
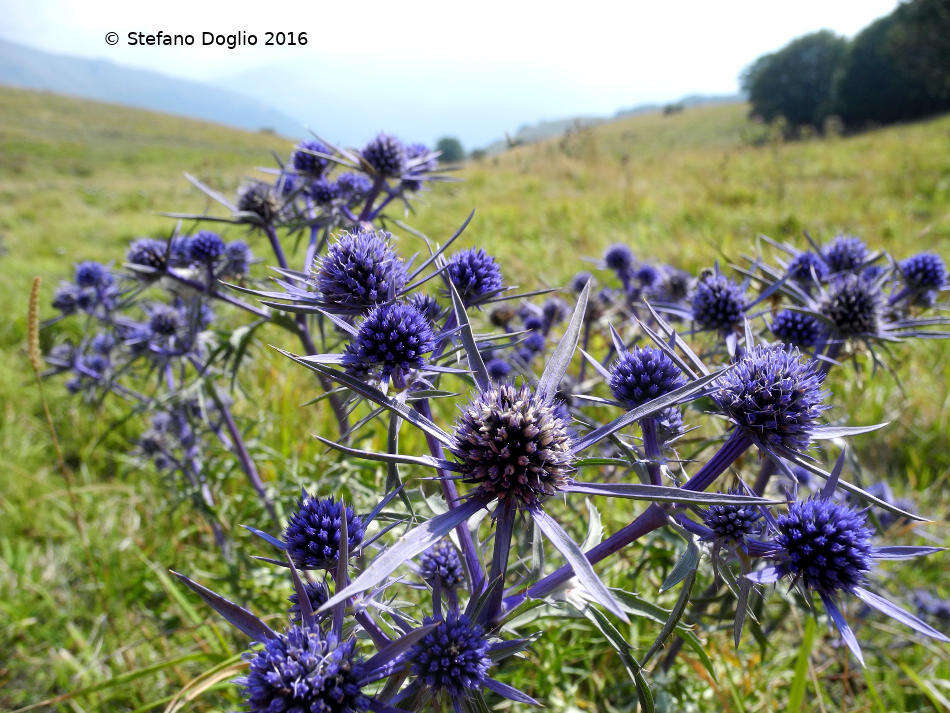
{"x":643,"y":374}
{"x":312,"y":536}
{"x":773,"y":395}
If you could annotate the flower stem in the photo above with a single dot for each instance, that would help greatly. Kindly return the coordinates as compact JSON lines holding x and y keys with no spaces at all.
{"x":450,"y":493}
{"x":378,"y":184}
{"x":240,"y":450}
{"x":649,"y":520}
{"x":651,"y":449}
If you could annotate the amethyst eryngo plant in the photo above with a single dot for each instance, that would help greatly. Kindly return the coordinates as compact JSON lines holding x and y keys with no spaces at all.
{"x":154,"y":329}
{"x":524,"y":428}
{"x":519,"y":405}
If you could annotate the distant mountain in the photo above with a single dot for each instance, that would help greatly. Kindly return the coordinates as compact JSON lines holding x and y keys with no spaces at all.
{"x":22,"y":66}
{"x":529,"y":133}
{"x":686,"y":102}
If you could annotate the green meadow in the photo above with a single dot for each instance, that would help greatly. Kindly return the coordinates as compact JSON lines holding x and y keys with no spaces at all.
{"x":89,"y":619}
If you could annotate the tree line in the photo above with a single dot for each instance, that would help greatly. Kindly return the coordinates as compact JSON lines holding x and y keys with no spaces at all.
{"x":897,"y":68}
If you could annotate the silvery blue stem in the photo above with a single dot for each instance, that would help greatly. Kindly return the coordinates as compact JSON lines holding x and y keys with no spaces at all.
{"x":585,"y":340}
{"x":387,"y":201}
{"x":504,"y":525}
{"x":372,"y":628}
{"x":653,"y":518}
{"x":247,"y":464}
{"x":450,"y":493}
{"x":378,"y":184}
{"x":898,"y":296}
{"x":651,"y":448}
{"x":312,"y":244}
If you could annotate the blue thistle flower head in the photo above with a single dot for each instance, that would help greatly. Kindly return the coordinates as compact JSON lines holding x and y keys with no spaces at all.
{"x":732,"y":523}
{"x":872,"y":272}
{"x":501,"y":315}
{"x":303,"y":669}
{"x":718,"y":303}
{"x":353,"y":185}
{"x":386,"y":155}
{"x":237,"y":256}
{"x":669,"y":423}
{"x":534,"y":343}
{"x":323,"y":191}
{"x":287,"y":184}
{"x":317,"y":595}
{"x":61,"y":355}
{"x":475,"y":275}
{"x":555,"y":310}
{"x":102,"y":343}
{"x":924,"y":271}
{"x":312,"y":534}
{"x":514,"y":444}
{"x":87,"y":299}
{"x":147,"y":252}
{"x":854,"y":306}
{"x":806,"y":267}
{"x":205,"y":247}
{"x":418,"y":151}
{"x":427,"y":305}
{"x":497,"y":368}
{"x":453,"y":657}
{"x":534,"y":322}
{"x":802,"y":330}
{"x":258,"y":198}
{"x":66,"y":298}
{"x":825,"y":543}
{"x":99,"y":363}
{"x":647,"y":275}
{"x":164,"y":321}
{"x":359,"y":270}
{"x":579,"y":280}
{"x":672,"y":286}
{"x":306,"y":162}
{"x":845,"y":253}
{"x":643,"y":374}
{"x":414,"y":152}
{"x":93,"y":274}
{"x":392,"y":339}
{"x":440,"y":565}
{"x":178,"y":254}
{"x":773,"y":395}
{"x":619,"y":258}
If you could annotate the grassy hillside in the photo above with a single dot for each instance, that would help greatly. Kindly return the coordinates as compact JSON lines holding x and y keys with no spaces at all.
{"x":79,"y":179}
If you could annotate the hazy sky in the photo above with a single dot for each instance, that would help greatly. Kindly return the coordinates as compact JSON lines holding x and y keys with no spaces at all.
{"x":544,"y":60}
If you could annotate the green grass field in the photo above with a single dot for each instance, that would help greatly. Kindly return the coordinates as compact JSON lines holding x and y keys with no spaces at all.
{"x":96,"y":612}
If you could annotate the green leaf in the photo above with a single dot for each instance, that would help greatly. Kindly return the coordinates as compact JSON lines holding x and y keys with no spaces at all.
{"x":115,"y":681}
{"x":796,"y":694}
{"x":688,"y":565}
{"x":620,"y":645}
{"x":938,"y":700}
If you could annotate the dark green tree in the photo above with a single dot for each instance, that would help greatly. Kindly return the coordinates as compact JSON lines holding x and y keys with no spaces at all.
{"x":451,"y":149}
{"x":796,"y":82}
{"x":898,"y":67}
